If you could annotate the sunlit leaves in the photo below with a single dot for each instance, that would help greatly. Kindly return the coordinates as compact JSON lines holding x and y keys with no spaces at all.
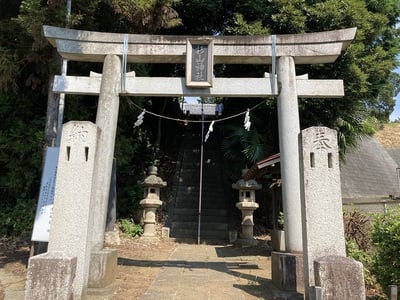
{"x":386,"y":238}
{"x":147,"y":15}
{"x":288,"y":16}
{"x":242,"y":27}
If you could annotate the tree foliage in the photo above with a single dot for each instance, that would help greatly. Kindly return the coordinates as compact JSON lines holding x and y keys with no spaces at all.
{"x":147,"y":15}
{"x":374,"y":241}
{"x":27,"y":62}
{"x":250,"y":143}
{"x":386,"y":238}
{"x":366,"y":67}
{"x":21,"y":135}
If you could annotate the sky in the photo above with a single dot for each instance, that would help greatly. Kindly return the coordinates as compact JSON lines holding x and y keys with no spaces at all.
{"x":396,"y":113}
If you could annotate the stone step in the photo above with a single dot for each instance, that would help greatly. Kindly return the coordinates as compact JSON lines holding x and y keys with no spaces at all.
{"x":193,"y":179}
{"x":191,"y":164}
{"x":204,"y":218}
{"x":196,"y":150}
{"x":209,"y":195}
{"x":193,"y":188}
{"x":194,"y":167}
{"x":205,"y":205}
{"x":191,"y":233}
{"x":189,"y":230}
{"x":192,"y":226}
{"x":207,"y":169}
{"x":212,"y":198}
{"x":205,"y":212}
{"x":209,"y":182}
{"x":214,"y":216}
{"x":194,"y":176}
{"x":194,"y":155}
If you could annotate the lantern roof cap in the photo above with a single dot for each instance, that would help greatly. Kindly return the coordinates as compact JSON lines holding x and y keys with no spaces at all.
{"x":153,"y":179}
{"x":251,"y":184}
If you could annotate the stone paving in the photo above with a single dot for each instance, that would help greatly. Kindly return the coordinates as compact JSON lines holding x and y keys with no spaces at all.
{"x":197,"y":272}
{"x":215,"y":272}
{"x":14,"y":286}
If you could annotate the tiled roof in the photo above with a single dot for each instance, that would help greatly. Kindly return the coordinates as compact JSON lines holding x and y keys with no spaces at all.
{"x":395,"y":154}
{"x":261,"y":167}
{"x":369,"y":172}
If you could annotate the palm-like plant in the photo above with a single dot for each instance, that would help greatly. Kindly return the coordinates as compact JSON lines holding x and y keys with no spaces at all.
{"x":242,"y":148}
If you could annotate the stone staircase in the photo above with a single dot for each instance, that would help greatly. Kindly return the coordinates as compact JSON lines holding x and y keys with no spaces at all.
{"x":185,"y":212}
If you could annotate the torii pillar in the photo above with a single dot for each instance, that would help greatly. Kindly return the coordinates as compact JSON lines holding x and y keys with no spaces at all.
{"x":106,"y":120}
{"x":287,"y":267}
{"x":289,"y":129}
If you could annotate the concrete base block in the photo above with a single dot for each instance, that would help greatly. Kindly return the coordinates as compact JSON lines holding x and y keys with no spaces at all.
{"x":50,"y":276}
{"x":339,"y":277}
{"x":245,"y":242}
{"x":278,"y":240}
{"x":106,"y":293}
{"x":287,"y":271}
{"x":165,"y":232}
{"x":232,"y":236}
{"x":103,"y":268}
{"x":112,"y":237}
{"x":393,"y":292}
{"x":149,"y":239}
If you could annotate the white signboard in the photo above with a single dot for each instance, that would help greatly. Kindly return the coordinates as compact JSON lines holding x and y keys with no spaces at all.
{"x":41,"y":227}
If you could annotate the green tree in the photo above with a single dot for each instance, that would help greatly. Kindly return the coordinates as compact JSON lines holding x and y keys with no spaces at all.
{"x":366,"y":67}
{"x":27,"y":62}
{"x":250,"y":144}
{"x":146,"y":16}
{"x":386,"y":238}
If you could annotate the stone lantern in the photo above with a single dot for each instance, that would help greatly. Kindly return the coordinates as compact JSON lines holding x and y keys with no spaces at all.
{"x":247,"y":205}
{"x":151,"y":184}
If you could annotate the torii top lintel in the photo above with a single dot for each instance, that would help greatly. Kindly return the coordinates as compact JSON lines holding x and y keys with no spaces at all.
{"x":308,"y":48}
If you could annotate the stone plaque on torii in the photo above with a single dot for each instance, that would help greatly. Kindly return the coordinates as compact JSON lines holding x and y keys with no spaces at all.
{"x":284,"y":50}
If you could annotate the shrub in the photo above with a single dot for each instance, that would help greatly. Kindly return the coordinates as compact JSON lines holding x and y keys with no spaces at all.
{"x":373,"y":289}
{"x":16,"y":220}
{"x":129,"y":228}
{"x":359,"y":247}
{"x":357,"y":229}
{"x":386,"y":238}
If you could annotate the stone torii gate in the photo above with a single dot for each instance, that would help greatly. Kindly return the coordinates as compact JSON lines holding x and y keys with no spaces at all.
{"x":284,"y":51}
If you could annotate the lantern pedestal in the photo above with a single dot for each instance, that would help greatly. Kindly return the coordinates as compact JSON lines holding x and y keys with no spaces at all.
{"x":246,"y":236}
{"x":150,"y":207}
{"x":247,"y":205}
